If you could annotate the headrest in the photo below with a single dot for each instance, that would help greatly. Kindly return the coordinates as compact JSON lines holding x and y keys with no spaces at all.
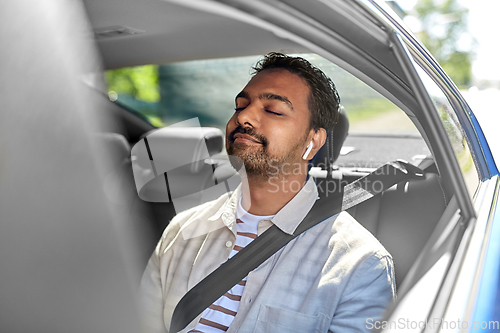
{"x":330,"y":151}
{"x":117,"y":143}
{"x":179,"y":151}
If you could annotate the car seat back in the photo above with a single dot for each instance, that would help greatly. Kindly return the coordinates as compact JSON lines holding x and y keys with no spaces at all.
{"x":403,"y":218}
{"x":328,"y":154}
{"x":145,"y":220}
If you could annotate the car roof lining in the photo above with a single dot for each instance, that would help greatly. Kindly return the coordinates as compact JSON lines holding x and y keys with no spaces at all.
{"x":167,"y":25}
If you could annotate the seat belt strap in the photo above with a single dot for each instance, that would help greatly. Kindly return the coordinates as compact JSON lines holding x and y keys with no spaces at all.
{"x":217,"y":283}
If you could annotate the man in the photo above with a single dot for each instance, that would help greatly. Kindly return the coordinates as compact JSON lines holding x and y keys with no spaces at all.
{"x":332,"y":278}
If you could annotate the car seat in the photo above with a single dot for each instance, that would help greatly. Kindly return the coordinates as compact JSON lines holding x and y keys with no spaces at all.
{"x":402,"y":218}
{"x":176,"y":164}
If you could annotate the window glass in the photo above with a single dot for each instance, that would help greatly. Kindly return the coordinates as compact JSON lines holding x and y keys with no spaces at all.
{"x":379,"y":131}
{"x":454,"y":130}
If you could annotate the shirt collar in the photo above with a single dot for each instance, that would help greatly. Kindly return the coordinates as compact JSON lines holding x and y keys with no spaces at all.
{"x":290,"y":216}
{"x":227,"y":212}
{"x":287,"y":219}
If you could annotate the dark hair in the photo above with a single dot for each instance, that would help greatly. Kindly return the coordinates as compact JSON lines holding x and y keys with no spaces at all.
{"x":324,"y":100}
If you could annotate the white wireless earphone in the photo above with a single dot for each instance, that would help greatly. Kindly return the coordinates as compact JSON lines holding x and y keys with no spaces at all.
{"x":308,"y":150}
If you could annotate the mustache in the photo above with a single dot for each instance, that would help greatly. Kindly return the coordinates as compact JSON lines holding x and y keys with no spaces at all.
{"x":248,"y":131}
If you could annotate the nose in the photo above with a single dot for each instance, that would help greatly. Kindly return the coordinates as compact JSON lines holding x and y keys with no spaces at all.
{"x":249,"y":116}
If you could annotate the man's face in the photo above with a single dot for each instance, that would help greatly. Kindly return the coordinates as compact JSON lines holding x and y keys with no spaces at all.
{"x":270,"y":126}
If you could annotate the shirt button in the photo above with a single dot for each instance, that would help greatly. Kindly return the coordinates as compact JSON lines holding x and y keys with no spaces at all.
{"x":229,"y":244}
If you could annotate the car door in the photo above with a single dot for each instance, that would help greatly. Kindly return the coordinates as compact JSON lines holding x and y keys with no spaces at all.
{"x":442,"y":291}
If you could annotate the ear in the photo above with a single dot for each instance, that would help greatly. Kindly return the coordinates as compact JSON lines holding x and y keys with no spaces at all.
{"x":318,"y":139}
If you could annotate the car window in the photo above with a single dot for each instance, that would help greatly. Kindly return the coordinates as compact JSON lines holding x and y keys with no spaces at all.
{"x":379,"y":131}
{"x":454,"y":131}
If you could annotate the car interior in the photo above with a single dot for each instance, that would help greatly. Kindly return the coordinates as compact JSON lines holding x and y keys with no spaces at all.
{"x":76,"y":230}
{"x":153,"y":32}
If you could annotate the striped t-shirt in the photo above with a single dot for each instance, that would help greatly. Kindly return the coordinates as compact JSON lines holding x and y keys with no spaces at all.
{"x":218,"y":316}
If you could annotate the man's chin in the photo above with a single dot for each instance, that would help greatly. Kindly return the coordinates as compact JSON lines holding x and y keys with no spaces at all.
{"x":254,"y":164}
{"x":245,"y":152}
{"x":237,"y":146}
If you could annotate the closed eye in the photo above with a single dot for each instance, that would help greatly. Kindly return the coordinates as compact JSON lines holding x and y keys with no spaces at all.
{"x":268,"y":111}
{"x":275,"y":113}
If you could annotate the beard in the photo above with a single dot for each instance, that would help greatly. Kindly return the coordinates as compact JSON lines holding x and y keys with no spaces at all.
{"x":258,"y":161}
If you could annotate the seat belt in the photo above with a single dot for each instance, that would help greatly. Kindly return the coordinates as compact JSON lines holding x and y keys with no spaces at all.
{"x":217,"y":283}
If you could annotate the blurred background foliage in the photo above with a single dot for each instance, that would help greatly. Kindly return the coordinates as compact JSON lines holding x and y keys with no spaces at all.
{"x":442,"y":26}
{"x":138,"y":88}
{"x":140,"y":82}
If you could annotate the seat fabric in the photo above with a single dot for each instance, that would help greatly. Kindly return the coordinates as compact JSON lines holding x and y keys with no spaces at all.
{"x":403,"y":218}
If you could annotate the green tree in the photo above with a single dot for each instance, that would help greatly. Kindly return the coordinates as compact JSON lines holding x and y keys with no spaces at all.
{"x":140,"y":82}
{"x":137,"y":88}
{"x":443,"y":22}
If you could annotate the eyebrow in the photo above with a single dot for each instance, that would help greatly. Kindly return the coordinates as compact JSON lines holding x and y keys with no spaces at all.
{"x":268,"y":96}
{"x":242,"y":94}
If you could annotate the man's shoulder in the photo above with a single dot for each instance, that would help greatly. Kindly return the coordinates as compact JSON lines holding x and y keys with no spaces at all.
{"x":354,"y":237}
{"x":355,"y":249}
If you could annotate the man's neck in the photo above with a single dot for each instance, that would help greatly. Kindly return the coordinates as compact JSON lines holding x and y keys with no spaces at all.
{"x":267,"y":196}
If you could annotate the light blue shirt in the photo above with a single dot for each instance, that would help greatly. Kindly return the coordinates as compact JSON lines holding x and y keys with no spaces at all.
{"x":335,"y":277}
